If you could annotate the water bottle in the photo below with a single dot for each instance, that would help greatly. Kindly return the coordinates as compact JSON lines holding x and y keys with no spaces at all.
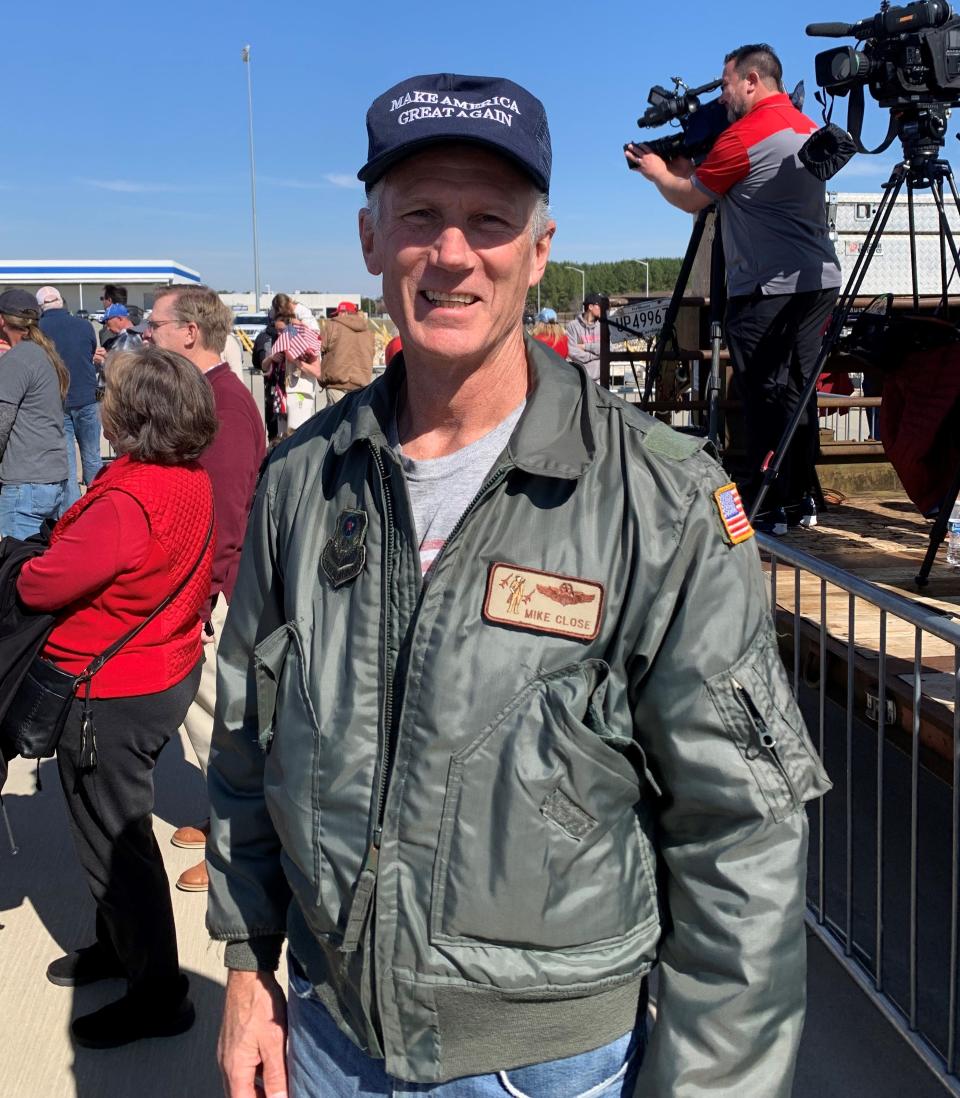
{"x":953,"y":536}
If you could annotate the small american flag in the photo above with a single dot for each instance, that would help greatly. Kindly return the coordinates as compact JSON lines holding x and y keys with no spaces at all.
{"x":732,"y":514}
{"x":296,"y":340}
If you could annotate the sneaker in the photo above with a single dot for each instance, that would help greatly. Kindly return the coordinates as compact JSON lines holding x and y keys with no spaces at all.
{"x":808,"y":513}
{"x":84,"y":966}
{"x":772,"y":522}
{"x":194,"y":879}
{"x":191,"y":838}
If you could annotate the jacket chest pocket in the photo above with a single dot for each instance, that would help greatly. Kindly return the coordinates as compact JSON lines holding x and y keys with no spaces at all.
{"x":288,"y":732}
{"x":540,"y":841}
{"x":269,"y":658}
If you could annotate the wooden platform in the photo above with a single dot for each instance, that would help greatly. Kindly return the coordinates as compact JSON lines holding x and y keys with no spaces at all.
{"x":881,"y":539}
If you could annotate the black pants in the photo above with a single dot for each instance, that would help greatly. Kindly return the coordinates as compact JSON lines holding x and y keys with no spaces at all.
{"x":111,"y":819}
{"x":774,"y":343}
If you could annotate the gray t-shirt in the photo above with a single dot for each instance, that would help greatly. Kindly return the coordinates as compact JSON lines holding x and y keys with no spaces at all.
{"x":36,"y":451}
{"x":441,"y":489}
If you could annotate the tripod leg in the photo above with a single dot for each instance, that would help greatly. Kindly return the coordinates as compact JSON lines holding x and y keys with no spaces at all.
{"x":956,"y":201}
{"x":946,"y":233}
{"x":668,"y":331}
{"x":944,"y":306}
{"x":717,"y":304}
{"x":938,"y":532}
{"x":911,"y":221}
{"x":771,"y":467}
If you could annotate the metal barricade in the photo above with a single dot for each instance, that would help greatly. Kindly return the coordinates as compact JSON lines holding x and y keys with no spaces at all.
{"x":882,"y":890}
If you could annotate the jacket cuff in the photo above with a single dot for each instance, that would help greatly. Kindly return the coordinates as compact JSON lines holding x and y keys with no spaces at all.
{"x":254,"y":954}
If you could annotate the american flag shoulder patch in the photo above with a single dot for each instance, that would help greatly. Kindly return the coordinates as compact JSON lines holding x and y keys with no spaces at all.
{"x":736,"y":525}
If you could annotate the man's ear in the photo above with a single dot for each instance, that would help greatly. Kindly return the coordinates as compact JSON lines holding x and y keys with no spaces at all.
{"x":368,"y":242}
{"x":541,"y":253}
{"x":193,"y":333}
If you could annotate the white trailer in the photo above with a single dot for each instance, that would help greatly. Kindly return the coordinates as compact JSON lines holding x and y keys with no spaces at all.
{"x":850,"y":216}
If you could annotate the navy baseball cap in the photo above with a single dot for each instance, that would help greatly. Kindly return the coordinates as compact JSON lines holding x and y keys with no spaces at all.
{"x":482,"y":110}
{"x":19,"y":303}
{"x":115,"y":310}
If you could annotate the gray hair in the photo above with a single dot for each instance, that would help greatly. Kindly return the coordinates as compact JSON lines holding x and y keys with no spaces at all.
{"x":539,"y":219}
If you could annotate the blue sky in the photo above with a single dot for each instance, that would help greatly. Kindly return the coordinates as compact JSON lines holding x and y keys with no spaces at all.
{"x":128,"y":139}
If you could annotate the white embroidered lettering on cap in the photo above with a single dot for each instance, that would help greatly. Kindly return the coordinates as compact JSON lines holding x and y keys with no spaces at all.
{"x":415,"y":114}
{"x":461,"y":104}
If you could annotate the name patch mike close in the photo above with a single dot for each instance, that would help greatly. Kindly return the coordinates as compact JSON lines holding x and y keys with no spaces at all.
{"x":543,"y":602}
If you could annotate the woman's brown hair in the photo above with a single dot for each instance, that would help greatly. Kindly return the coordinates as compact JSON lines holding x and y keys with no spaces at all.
{"x":31,"y":332}
{"x":283,"y":306}
{"x":157,"y":406}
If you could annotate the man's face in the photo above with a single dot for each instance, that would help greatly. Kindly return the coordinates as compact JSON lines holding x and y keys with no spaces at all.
{"x":454,"y":247}
{"x":165,"y":330}
{"x":116,"y":324}
{"x":736,"y":93}
{"x":593,"y":311}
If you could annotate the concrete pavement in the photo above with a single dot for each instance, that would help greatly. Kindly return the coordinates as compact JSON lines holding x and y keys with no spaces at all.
{"x":848,"y":1051}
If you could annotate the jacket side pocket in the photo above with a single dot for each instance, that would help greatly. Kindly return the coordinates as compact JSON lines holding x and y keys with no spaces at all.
{"x":759,"y":713}
{"x":268,"y":659}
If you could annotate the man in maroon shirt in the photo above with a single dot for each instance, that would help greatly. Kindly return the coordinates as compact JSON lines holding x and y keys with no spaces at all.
{"x":194,"y":322}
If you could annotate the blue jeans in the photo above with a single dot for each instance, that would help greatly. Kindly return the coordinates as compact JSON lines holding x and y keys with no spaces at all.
{"x":23,"y":507}
{"x":322,"y":1061}
{"x":81,"y":425}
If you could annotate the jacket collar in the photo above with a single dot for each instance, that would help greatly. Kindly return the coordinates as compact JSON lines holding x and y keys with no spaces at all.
{"x":553,"y":438}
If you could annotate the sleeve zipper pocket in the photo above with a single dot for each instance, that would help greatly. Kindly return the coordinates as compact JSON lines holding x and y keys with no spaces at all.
{"x":765,"y":742}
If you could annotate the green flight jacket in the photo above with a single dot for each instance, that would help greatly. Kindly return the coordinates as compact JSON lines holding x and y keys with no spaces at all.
{"x":480,"y":829}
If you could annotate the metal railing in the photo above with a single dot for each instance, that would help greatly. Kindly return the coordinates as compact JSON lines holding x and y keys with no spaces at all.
{"x":853,"y":872}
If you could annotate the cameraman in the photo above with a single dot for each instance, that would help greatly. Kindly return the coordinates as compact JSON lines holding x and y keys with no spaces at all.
{"x":782,"y":271}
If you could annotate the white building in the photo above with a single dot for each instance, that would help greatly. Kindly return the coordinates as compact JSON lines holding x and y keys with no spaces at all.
{"x":316,"y":303}
{"x":81,"y":281}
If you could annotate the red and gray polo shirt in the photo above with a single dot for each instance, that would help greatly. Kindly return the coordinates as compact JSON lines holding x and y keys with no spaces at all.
{"x":773,"y":211}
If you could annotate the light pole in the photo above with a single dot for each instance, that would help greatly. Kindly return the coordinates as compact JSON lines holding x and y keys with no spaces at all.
{"x":583,"y":280}
{"x":253,"y":185}
{"x":646,"y":271}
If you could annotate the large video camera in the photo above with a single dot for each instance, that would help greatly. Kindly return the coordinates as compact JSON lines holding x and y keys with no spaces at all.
{"x":910,"y":57}
{"x":700,"y":124}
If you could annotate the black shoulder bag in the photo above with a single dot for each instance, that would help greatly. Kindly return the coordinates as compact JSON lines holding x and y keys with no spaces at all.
{"x":36,"y":717}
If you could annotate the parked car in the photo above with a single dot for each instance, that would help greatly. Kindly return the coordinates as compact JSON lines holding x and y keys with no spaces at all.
{"x":251,"y":323}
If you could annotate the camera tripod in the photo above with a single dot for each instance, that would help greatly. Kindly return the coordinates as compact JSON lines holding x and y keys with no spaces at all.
{"x":668,"y":332}
{"x":921,"y":132}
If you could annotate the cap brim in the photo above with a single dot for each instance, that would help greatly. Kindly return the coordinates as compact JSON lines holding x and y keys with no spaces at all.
{"x":378,"y":167}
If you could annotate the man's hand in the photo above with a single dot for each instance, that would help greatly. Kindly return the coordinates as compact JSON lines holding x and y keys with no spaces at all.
{"x":309,"y":361}
{"x":642,"y":159}
{"x":254,"y":1032}
{"x":98,"y":356}
{"x":671,"y":180}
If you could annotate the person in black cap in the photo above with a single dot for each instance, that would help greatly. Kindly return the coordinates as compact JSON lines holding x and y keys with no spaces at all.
{"x":583,"y":336}
{"x":489,"y":697}
{"x":33,"y":450}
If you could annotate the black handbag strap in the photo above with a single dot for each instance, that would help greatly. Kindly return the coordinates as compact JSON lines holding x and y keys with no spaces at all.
{"x":92,"y":668}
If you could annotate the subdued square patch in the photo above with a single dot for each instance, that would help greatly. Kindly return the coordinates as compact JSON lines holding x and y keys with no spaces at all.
{"x":558,"y":807}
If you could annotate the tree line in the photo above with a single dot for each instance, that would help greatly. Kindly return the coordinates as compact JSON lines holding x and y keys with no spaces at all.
{"x":561,"y":289}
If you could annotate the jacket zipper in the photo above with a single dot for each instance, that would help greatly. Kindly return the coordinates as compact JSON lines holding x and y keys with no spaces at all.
{"x":363,"y":895}
{"x":485,"y":488}
{"x":360,"y":905}
{"x":766,"y":742}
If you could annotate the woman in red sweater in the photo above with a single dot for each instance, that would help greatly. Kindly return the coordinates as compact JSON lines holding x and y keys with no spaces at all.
{"x":116,"y":554}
